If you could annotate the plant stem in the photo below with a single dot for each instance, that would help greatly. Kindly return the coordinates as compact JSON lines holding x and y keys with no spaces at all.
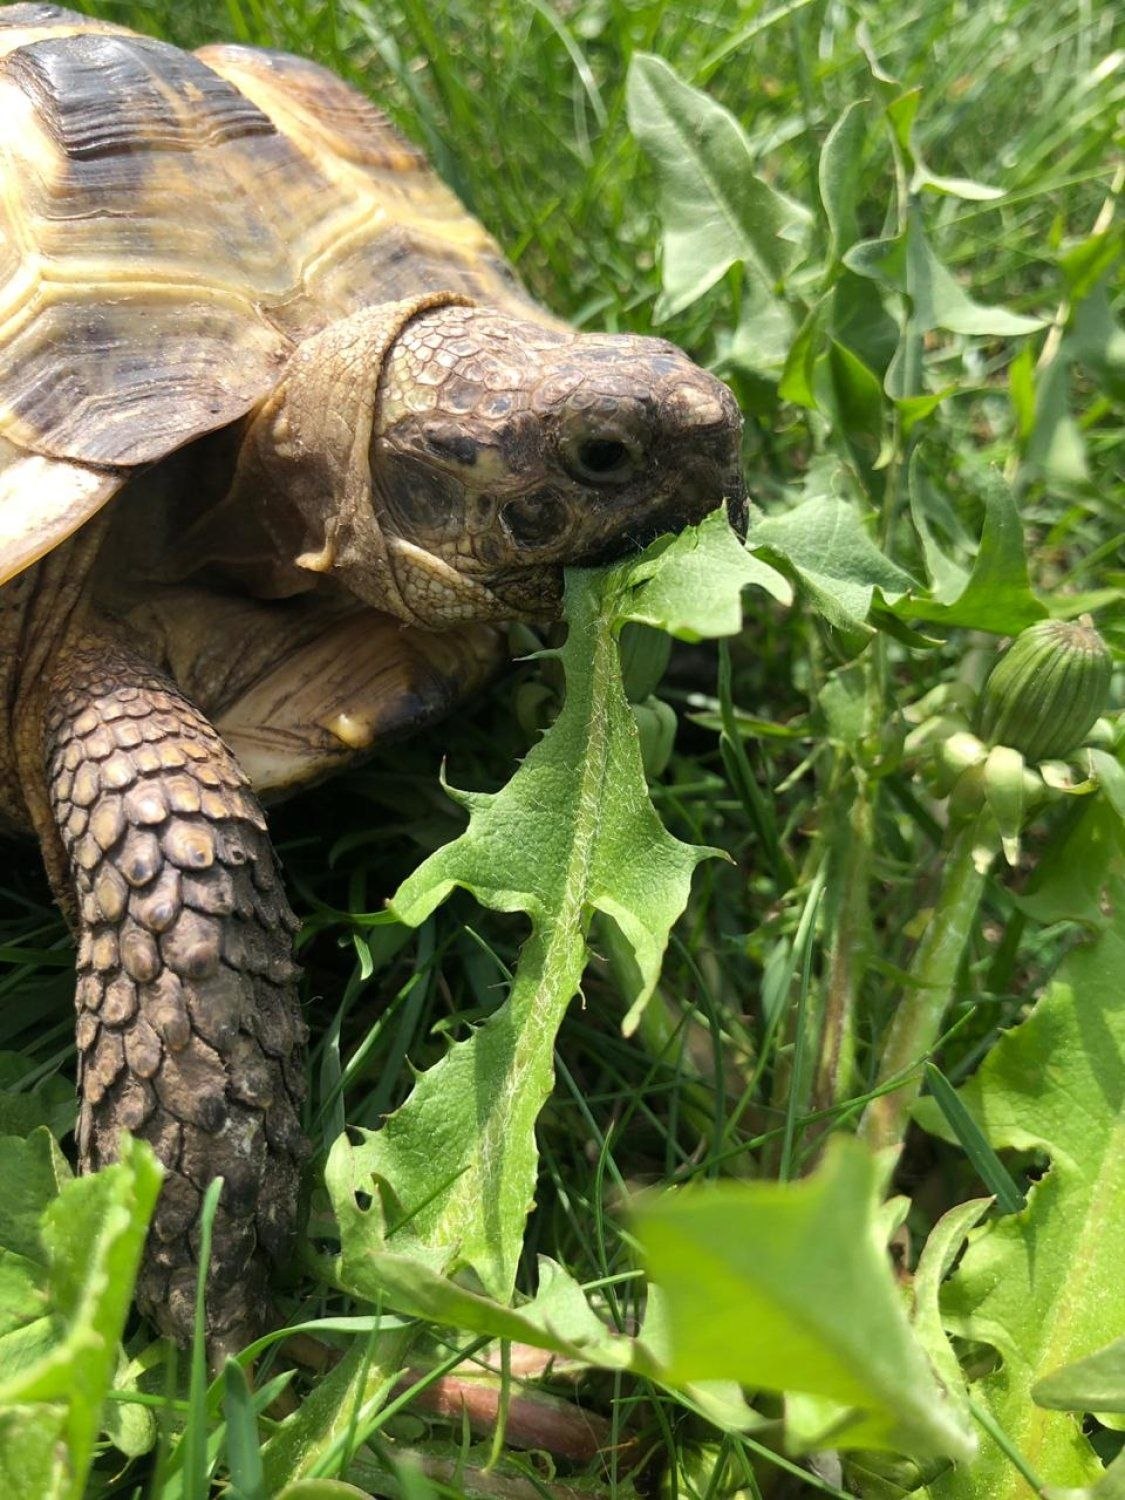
{"x":847,"y":954}
{"x":933,"y":974}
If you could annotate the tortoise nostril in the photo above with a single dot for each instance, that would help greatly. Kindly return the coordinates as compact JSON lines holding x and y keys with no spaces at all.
{"x":601,"y":460}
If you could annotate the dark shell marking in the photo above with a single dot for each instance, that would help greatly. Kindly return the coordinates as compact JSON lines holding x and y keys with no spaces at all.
{"x":99,"y":95}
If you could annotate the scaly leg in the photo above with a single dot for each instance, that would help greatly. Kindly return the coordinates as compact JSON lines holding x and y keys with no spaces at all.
{"x":189,"y":1032}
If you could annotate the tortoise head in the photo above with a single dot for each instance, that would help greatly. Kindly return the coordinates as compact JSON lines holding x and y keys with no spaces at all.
{"x":505,"y":450}
{"x":445,"y":462}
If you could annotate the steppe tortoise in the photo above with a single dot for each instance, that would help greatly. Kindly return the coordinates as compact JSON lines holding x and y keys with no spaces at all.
{"x":282,"y":440}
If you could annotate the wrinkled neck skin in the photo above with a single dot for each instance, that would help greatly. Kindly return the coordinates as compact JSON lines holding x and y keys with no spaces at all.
{"x":301,"y":509}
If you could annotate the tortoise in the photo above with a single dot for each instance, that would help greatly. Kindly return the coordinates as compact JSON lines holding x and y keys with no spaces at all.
{"x":282,"y":442}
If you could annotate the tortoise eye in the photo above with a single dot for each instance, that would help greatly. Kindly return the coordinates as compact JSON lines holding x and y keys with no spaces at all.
{"x":600,"y":460}
{"x":534,"y":520}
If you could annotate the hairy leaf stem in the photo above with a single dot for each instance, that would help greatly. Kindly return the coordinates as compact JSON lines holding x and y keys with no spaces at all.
{"x":849,"y":888}
{"x":933,"y":974}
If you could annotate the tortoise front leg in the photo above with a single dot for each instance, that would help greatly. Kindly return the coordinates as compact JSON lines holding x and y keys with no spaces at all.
{"x":189,"y":1032}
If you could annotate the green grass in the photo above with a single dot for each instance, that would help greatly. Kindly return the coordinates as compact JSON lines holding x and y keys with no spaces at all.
{"x":522,"y":108}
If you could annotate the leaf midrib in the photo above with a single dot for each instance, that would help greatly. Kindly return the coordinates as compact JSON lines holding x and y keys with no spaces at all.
{"x":559,"y":926}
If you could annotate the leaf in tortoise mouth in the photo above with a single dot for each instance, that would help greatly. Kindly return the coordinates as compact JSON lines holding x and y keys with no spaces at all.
{"x":451,"y":1175}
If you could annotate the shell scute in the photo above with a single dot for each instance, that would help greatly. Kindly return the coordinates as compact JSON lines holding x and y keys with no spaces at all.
{"x":343,"y":119}
{"x":130,"y":323}
{"x":100,"y":94}
{"x":43,"y":501}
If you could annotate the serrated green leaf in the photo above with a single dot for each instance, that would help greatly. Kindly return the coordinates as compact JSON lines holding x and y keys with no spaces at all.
{"x":33,"y":1171}
{"x":1111,"y":1485}
{"x":52,"y":1104}
{"x":762,"y":337}
{"x":882,"y":260}
{"x":692,"y":590}
{"x":93,"y":1231}
{"x":939,"y":301}
{"x":997,"y":596}
{"x":902,"y":112}
{"x":827,"y":543}
{"x":1056,"y":447}
{"x":1111,"y":778}
{"x":798,"y":375}
{"x":23,"y":1300}
{"x":845,"y":700}
{"x":907,"y":263}
{"x":1070,"y":881}
{"x":34,"y":1462}
{"x":787,"y":1286}
{"x":861,"y":321}
{"x":858,"y":401}
{"x":1044,"y":1286}
{"x":948,"y":579}
{"x":942,"y":1247}
{"x":715,"y":209}
{"x":559,"y":1318}
{"x":573,"y":833}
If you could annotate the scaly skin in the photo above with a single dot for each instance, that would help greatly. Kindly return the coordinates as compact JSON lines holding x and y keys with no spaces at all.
{"x":189,"y":1032}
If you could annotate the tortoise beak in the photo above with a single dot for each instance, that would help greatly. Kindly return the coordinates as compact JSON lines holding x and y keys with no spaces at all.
{"x":712,"y":477}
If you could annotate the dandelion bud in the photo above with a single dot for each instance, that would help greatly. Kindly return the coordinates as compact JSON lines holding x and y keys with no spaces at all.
{"x":1046,"y":691}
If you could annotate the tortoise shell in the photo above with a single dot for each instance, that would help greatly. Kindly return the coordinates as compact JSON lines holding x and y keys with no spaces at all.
{"x":172,"y":224}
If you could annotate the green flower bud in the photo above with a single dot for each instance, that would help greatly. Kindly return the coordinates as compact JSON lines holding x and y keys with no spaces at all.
{"x":952,"y":752}
{"x":1046,"y":691}
{"x":1004,"y":791}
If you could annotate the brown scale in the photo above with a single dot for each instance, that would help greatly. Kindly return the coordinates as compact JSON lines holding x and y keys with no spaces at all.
{"x":189,"y":1032}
